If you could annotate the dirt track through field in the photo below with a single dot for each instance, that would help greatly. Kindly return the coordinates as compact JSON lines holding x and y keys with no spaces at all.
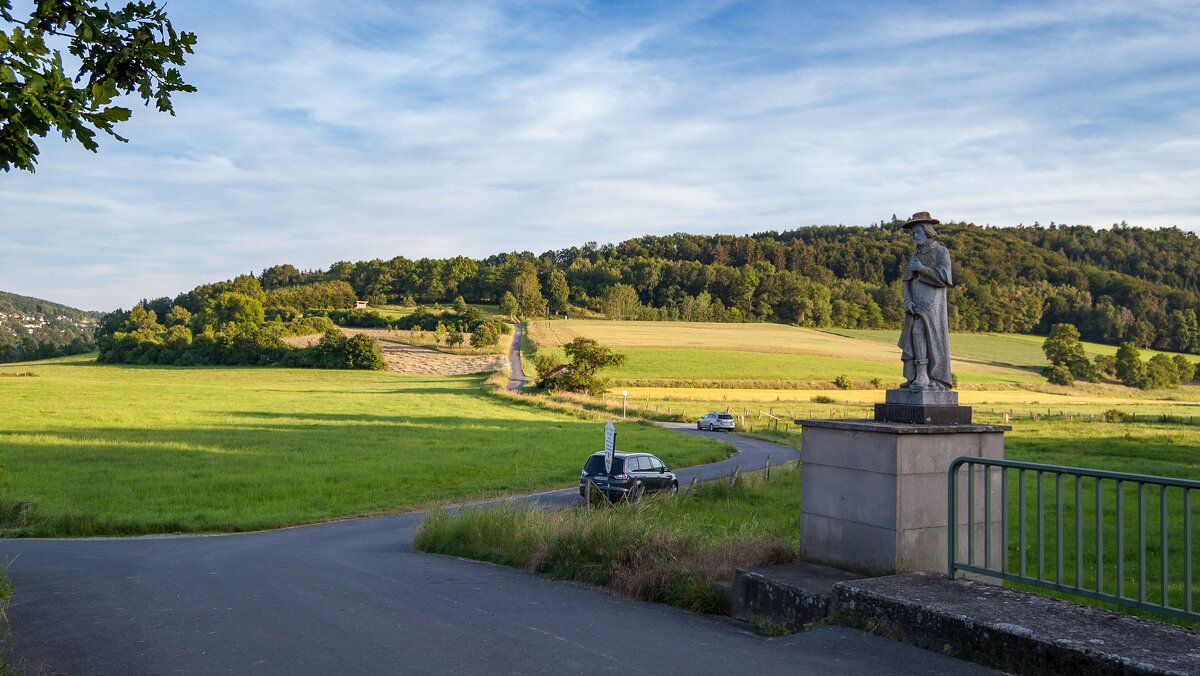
{"x":402,"y":358}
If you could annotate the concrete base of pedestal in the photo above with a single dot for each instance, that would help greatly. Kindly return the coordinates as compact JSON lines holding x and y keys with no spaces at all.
{"x":874,"y":494}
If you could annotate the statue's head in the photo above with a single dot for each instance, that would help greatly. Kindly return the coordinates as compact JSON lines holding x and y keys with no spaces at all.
{"x":924,"y":221}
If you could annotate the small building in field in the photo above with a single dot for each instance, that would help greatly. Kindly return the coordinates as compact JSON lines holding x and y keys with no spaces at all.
{"x":360,"y":304}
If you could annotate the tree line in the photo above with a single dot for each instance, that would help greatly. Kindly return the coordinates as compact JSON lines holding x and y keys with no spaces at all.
{"x":1116,"y":285}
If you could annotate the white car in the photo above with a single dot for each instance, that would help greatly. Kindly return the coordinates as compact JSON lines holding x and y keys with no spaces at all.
{"x":716,"y":421}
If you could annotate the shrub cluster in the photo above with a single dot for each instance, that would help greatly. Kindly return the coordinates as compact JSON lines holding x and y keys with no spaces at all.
{"x":230,"y":331}
{"x":462,"y":320}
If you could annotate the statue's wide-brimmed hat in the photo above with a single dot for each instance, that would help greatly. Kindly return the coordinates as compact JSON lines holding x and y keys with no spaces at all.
{"x":921,"y":217}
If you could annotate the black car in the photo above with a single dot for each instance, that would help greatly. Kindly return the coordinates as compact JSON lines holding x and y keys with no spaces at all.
{"x":632,"y":475}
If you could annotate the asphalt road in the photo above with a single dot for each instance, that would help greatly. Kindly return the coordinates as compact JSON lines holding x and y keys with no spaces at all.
{"x":516,"y":371}
{"x":352,"y":597}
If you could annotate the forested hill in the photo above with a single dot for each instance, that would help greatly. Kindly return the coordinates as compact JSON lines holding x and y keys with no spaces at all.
{"x":31,"y":328}
{"x":1116,"y":284}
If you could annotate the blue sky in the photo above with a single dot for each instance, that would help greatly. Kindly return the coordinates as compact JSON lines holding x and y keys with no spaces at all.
{"x":326,"y":131}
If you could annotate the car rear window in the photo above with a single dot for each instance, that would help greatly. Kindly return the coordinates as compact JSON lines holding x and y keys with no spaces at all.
{"x":724,"y":416}
{"x":595,"y":465}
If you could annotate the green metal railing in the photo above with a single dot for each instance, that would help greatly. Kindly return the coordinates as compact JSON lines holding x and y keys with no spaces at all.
{"x":1095,"y":527}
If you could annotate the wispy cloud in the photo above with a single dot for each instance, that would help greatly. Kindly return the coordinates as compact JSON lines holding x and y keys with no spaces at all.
{"x":346,"y":131}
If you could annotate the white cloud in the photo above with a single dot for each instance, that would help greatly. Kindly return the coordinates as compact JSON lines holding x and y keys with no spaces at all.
{"x":370,"y":129}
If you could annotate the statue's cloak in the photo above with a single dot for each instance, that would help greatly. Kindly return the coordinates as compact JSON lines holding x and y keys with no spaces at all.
{"x":927,"y":291}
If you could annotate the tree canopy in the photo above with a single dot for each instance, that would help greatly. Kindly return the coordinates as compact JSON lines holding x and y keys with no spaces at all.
{"x":134,"y":49}
{"x":587,"y":358}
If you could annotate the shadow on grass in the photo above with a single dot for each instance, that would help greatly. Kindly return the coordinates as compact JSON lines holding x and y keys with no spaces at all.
{"x":271,"y":469}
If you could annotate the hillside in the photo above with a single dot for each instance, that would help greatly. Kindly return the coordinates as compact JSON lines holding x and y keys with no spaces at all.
{"x":1115,"y":285}
{"x":32,"y":328}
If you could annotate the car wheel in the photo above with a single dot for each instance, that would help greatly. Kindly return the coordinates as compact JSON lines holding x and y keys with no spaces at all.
{"x":699,"y":426}
{"x":674,"y":488}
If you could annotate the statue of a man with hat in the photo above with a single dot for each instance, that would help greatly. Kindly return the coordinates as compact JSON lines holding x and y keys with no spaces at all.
{"x":925,"y":339}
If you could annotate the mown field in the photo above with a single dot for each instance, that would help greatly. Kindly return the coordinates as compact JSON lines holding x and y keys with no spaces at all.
{"x":751,"y":364}
{"x":682,"y":354}
{"x":100,"y":449}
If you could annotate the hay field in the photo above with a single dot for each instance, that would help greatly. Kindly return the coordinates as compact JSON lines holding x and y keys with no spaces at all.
{"x":692,"y":351}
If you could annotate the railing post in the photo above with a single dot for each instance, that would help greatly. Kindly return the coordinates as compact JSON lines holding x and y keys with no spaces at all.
{"x":1120,"y":539}
{"x":1057,"y":527}
{"x":1162,"y":532}
{"x":1099,"y":535}
{"x":952,"y":515}
{"x":970,"y":513}
{"x":1187,"y":550}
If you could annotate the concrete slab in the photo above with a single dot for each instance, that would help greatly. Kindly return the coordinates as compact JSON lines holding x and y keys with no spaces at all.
{"x":1014,"y":630}
{"x":792,"y":594}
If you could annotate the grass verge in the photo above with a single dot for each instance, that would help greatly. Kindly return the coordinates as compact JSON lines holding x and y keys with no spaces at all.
{"x":668,"y":550}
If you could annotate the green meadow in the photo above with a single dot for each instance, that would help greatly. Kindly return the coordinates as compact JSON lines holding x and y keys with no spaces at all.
{"x":97,"y":449}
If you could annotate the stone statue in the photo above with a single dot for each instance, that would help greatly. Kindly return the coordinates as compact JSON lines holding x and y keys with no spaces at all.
{"x":925,"y":339}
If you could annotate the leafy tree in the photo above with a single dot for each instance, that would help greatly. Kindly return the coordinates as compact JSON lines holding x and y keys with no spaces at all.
{"x":485,"y":335}
{"x":620,"y":301}
{"x":119,"y":51}
{"x":508,"y":304}
{"x":460,"y":305}
{"x":528,"y":294}
{"x":454,"y":338}
{"x":235,"y":308}
{"x":1185,"y":368}
{"x":178,"y":316}
{"x":1063,"y":348}
{"x":557,"y":291}
{"x":1130,"y":368}
{"x":587,"y":358}
{"x":279,"y":275}
{"x":1161,"y":372}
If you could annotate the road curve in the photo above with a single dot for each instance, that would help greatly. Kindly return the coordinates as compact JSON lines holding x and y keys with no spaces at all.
{"x":353,"y":597}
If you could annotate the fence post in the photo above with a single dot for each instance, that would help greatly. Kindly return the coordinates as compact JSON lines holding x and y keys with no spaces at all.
{"x":767,"y":469}
{"x":737,"y":470}
{"x":689,"y":488}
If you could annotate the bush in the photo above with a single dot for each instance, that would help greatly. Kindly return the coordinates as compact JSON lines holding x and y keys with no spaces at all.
{"x":822,"y":399}
{"x":545,"y":362}
{"x":1185,"y":368}
{"x":1059,"y":375}
{"x":484,"y":336}
{"x":843,"y":382}
{"x":1106,"y":365}
{"x":362,"y":352}
{"x":1161,"y":372}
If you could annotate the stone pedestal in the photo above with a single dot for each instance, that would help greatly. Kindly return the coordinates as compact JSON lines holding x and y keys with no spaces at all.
{"x":936,"y":407}
{"x":874,"y":494}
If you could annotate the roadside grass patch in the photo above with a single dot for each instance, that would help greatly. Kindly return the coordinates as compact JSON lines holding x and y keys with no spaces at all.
{"x":667,"y":550}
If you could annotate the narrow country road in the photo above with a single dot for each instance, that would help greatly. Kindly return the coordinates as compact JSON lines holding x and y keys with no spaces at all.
{"x":516,"y":373}
{"x":352,"y":597}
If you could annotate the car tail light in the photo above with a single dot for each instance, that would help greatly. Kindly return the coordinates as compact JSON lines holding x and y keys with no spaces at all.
{"x":620,"y":477}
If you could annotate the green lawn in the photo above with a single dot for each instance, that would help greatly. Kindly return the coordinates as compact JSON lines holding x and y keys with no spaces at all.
{"x":104,"y":449}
